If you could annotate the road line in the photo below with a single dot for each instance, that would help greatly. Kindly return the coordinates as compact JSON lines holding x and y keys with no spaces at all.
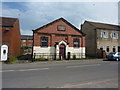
{"x":83,"y":66}
{"x":25,"y":70}
{"x":88,"y":83}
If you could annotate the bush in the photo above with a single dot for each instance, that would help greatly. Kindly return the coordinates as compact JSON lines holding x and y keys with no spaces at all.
{"x":40,"y":59}
{"x":24,"y":47}
{"x":12,"y":60}
{"x":19,"y":56}
{"x":24,"y":57}
{"x":74,"y":56}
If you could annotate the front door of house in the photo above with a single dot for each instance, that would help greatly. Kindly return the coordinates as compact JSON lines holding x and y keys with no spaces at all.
{"x":62,"y":51}
{"x":118,"y":48}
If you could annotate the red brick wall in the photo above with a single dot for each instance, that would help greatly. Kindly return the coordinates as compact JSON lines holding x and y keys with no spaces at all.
{"x":27,"y":43}
{"x":53,"y":29}
{"x":12,"y":39}
{"x":55,"y":38}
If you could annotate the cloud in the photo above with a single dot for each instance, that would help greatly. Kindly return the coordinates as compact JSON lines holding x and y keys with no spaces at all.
{"x":37,"y":14}
{"x":104,"y":12}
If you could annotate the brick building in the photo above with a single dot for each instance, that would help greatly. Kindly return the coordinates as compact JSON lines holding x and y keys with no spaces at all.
{"x":58,"y":38}
{"x":27,"y":41}
{"x":10,"y":34}
{"x":101,"y":36}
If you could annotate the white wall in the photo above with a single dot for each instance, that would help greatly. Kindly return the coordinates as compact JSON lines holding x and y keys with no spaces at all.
{"x":79,"y":52}
{"x":38,"y":49}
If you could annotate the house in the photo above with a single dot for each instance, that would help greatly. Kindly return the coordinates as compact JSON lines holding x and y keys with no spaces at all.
{"x":101,"y":36}
{"x":27,"y":43}
{"x":26,"y":40}
{"x":10,"y":34}
{"x":58,"y":40}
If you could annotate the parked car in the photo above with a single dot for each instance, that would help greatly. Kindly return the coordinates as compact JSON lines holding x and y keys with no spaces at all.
{"x":114,"y":56}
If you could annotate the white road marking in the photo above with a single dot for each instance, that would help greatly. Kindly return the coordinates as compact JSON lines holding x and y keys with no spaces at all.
{"x":83,"y":66}
{"x":25,"y":70}
{"x":93,"y":83}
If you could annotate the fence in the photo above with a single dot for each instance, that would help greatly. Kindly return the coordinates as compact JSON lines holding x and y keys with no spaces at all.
{"x":55,"y":56}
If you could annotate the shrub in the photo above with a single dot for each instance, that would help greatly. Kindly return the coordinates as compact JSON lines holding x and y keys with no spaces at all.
{"x":74,"y":56}
{"x":19,"y":56}
{"x":12,"y":60}
{"x":24,"y":47}
{"x":40,"y":59}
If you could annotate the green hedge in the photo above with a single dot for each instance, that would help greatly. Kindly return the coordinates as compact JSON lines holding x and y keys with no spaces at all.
{"x":39,"y":59}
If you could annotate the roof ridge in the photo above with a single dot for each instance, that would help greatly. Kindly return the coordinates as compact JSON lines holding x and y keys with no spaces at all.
{"x":101,"y":23}
{"x":9,"y":17}
{"x":58,"y":20}
{"x":49,"y":23}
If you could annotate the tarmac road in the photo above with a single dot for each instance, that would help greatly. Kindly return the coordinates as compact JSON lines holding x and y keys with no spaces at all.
{"x":61,"y":74}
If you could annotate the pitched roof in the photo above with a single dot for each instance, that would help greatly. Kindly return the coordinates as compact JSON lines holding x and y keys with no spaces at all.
{"x":26,"y":37}
{"x":63,"y":21}
{"x":7,"y":22}
{"x":104,"y":25}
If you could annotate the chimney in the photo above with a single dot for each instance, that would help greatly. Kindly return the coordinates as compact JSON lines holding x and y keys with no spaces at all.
{"x":81,"y":27}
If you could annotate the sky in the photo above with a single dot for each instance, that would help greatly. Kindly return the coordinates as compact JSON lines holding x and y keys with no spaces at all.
{"x":33,"y":15}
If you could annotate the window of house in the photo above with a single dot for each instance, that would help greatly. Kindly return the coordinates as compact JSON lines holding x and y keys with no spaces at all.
{"x":30,"y":40}
{"x":76,"y":42}
{"x":114,"y":49}
{"x":7,"y":29}
{"x":44,"y":41}
{"x":61,"y":28}
{"x":24,"y":40}
{"x":118,"y":48}
{"x":115,"y":35}
{"x":108,"y":48}
{"x":29,"y":44}
{"x":24,"y":44}
{"x":101,"y":48}
{"x":104,"y":34}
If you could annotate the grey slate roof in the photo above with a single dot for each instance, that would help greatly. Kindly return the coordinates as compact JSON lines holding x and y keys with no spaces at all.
{"x":7,"y":22}
{"x":26,"y":37}
{"x":104,"y":25}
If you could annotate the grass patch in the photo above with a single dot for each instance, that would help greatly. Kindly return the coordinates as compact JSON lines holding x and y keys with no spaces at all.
{"x":12,"y":60}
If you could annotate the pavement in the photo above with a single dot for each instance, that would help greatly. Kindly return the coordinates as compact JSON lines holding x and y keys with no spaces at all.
{"x":61,"y":74}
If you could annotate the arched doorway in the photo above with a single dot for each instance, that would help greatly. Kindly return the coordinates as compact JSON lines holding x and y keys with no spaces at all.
{"x":62,"y":50}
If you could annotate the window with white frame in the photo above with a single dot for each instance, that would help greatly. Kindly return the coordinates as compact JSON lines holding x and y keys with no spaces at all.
{"x":115,"y":35}
{"x":7,"y":29}
{"x":104,"y":34}
{"x":30,"y":40}
{"x":23,"y":40}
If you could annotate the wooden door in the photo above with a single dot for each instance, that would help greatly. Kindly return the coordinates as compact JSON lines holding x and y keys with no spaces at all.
{"x":62,"y":51}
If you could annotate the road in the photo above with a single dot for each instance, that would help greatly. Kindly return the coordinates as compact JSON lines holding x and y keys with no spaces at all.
{"x":61,"y":74}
